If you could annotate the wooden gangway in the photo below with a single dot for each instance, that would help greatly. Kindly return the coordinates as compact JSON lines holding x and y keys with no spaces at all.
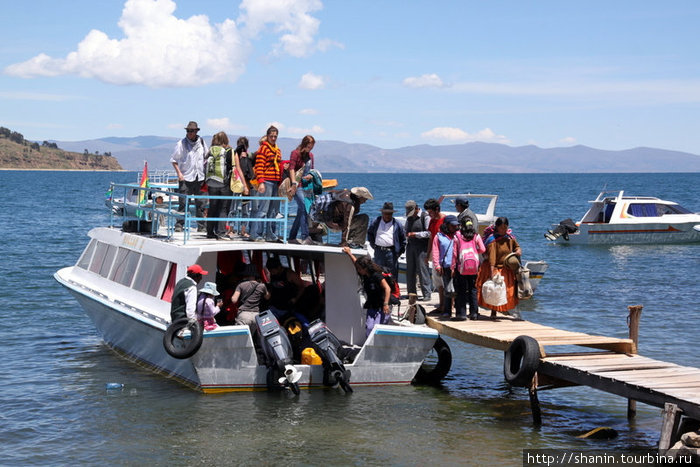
{"x":608,"y":364}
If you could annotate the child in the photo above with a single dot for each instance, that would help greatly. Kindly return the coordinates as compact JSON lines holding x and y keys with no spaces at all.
{"x":206,"y":307}
{"x":468,"y":247}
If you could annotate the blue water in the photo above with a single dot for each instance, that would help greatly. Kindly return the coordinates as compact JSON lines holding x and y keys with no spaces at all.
{"x":55,"y":409}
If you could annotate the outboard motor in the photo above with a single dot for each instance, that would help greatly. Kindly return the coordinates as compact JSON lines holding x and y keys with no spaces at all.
{"x":565,"y":227}
{"x":278,"y":353}
{"x":327,"y":344}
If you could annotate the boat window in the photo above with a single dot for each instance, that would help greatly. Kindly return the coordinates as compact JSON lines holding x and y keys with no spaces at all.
{"x":98,"y":259}
{"x":671,"y":209}
{"x":642,"y":210}
{"x":609,"y":208}
{"x":109,"y":258}
{"x":125,"y":266}
{"x":84,"y":260}
{"x":150,"y":275}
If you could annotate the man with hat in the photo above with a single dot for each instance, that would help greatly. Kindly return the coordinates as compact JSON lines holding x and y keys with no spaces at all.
{"x":183,"y":303}
{"x":387,"y":238}
{"x":346,"y":217}
{"x":417,"y":236}
{"x":462,"y":205}
{"x":188,"y":161}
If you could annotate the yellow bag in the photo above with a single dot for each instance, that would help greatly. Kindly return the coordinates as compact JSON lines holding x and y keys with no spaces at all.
{"x":236,"y":184}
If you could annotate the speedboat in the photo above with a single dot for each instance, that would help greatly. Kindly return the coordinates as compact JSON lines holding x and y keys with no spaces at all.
{"x":484,"y":206}
{"x":124,"y":282}
{"x":617,"y":218}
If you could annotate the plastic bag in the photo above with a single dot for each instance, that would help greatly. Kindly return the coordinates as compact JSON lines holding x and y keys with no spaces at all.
{"x":450,"y":288}
{"x":494,"y":291}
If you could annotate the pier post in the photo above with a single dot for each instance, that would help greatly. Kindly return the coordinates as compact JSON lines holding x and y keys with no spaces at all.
{"x":635,"y":313}
{"x":535,"y":402}
{"x":669,"y":427}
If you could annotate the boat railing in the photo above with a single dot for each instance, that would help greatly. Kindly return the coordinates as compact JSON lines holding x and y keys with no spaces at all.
{"x":148,"y":216}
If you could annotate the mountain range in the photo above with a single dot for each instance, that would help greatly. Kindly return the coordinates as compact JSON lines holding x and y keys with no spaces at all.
{"x":476,"y":157}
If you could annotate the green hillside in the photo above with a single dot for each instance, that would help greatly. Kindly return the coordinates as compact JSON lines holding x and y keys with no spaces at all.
{"x":18,"y":153}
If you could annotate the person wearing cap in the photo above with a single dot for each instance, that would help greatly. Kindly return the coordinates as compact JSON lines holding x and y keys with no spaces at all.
{"x":441,"y":255}
{"x":417,"y":238}
{"x":207,"y":308}
{"x":499,"y":246}
{"x":346,"y":217}
{"x":387,"y":238}
{"x":268,"y":172}
{"x":188,"y":162}
{"x":183,"y":303}
{"x":462,"y":205}
{"x":432,"y":206}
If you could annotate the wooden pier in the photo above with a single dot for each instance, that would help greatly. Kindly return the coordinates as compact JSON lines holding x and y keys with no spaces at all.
{"x":606,"y":363}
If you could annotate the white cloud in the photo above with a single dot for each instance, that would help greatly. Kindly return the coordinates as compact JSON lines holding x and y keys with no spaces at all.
{"x":158,"y":49}
{"x":458,"y":135}
{"x":314,"y":130}
{"x":308,"y":112}
{"x":114,"y":126}
{"x":223,"y":124}
{"x":311,"y":81}
{"x":424,"y":81}
{"x":568,"y":140}
{"x":292,"y":19}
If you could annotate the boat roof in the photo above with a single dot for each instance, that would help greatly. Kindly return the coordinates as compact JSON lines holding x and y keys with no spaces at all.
{"x":615,"y":195}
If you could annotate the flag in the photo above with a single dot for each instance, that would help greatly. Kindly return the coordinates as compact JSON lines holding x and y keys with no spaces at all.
{"x":108,"y":195}
{"x":143,"y":194}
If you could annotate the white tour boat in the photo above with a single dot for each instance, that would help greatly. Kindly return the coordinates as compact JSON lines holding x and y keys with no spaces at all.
{"x":124,"y":282}
{"x":617,"y":218}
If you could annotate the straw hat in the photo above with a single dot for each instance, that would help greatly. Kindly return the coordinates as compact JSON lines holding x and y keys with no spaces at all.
{"x":512,"y":261}
{"x":361,"y":192}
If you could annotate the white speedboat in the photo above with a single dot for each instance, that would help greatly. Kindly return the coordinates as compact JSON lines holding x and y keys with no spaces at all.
{"x":124,"y":282}
{"x":484,"y":206}
{"x":617,"y":218}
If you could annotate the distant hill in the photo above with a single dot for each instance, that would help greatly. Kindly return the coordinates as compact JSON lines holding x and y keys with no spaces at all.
{"x":18,"y":153}
{"x":337,"y":156}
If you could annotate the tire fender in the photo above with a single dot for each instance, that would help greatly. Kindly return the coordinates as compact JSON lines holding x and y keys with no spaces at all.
{"x":191,"y":345}
{"x":522,"y":358}
{"x":437,"y":373}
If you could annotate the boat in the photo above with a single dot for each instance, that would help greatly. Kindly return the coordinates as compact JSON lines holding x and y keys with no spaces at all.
{"x":124,"y":283}
{"x":617,"y":218}
{"x":484,"y":206}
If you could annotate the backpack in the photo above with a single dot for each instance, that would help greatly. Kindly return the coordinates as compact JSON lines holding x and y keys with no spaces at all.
{"x":322,"y":207}
{"x":468,"y":258}
{"x":393,"y":285}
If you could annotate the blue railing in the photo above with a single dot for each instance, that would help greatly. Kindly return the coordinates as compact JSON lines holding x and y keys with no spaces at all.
{"x":127,"y":208}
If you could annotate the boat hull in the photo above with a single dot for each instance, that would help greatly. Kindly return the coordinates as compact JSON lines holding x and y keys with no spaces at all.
{"x":227,"y":360}
{"x":638,"y":233}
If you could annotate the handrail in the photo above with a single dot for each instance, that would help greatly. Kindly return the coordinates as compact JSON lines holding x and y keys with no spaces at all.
{"x":131,"y":210}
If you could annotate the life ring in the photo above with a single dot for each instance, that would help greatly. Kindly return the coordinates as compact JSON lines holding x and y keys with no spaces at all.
{"x":435,"y":366}
{"x":521,"y":361}
{"x":179,"y":347}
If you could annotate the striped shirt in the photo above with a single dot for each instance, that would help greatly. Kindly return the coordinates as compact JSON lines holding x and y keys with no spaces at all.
{"x":268,"y":163}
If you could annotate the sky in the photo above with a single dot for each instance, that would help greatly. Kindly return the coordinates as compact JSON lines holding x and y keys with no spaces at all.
{"x":606,"y":74}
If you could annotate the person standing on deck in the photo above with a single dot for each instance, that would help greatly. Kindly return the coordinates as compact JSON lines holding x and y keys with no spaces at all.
{"x":268,"y":171}
{"x":387,"y":238}
{"x":417,"y":238}
{"x":441,"y":254}
{"x":301,"y":164}
{"x":188,"y":162}
{"x":183,"y":303}
{"x":462,"y":205}
{"x":436,"y":219}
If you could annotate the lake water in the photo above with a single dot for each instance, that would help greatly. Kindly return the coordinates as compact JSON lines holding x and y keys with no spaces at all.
{"x":55,"y":408}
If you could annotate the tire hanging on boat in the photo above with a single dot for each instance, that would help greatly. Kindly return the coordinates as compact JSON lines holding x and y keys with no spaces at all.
{"x":433,"y":374}
{"x":179,"y":347}
{"x":522,"y":358}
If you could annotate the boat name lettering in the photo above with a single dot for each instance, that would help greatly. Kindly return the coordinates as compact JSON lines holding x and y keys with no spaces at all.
{"x":132,"y":241}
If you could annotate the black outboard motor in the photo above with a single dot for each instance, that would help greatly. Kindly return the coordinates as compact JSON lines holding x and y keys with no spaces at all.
{"x":278,"y":353}
{"x":327,"y":344}
{"x":565,"y":227}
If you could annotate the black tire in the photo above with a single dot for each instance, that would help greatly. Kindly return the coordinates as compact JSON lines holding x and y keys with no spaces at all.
{"x":178,"y":347}
{"x":436,"y":365}
{"x":521,"y":361}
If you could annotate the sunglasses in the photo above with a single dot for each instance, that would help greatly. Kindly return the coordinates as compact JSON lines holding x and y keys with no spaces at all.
{"x":192,"y":131}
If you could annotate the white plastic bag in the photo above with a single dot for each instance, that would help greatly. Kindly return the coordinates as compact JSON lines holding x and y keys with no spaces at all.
{"x":494,"y":291}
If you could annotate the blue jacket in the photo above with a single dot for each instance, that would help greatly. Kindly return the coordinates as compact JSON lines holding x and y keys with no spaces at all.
{"x":399,"y":235}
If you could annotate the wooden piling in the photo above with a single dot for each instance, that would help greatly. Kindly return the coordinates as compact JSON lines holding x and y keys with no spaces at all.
{"x":669,"y":427}
{"x":635,"y":313}
{"x":535,"y":402}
